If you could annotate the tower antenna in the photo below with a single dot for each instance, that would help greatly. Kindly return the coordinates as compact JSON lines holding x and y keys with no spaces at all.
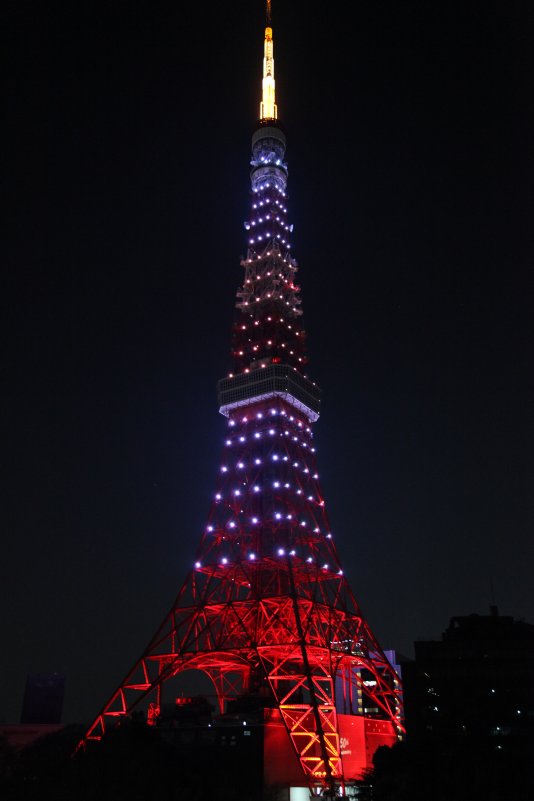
{"x":268,"y":109}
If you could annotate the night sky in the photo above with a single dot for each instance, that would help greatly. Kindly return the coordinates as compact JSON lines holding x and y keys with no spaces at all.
{"x":125,"y":175}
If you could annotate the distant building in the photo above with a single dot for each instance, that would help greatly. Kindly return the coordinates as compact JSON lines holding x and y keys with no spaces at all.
{"x":476,"y":683}
{"x":43,"y":698}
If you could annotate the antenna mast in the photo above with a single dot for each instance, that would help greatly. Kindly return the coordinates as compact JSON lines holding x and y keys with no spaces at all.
{"x":268,"y":110}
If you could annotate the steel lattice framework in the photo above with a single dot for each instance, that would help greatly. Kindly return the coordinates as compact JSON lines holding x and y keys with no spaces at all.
{"x":266,"y":608}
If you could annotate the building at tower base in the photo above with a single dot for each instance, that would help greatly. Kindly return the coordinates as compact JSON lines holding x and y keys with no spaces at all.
{"x":258,"y":738}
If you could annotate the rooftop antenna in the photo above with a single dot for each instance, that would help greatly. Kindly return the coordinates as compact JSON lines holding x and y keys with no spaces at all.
{"x":493,"y":606}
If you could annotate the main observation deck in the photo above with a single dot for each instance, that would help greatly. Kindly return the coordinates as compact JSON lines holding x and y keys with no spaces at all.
{"x":275,"y":380}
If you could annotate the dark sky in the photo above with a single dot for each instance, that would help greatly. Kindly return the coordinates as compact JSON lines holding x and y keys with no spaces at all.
{"x":126,"y":183}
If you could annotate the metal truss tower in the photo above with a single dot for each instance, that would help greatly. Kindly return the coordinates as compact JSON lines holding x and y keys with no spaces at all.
{"x":266,"y":611}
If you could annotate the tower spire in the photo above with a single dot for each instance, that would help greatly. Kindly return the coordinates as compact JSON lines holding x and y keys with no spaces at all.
{"x":268,"y":110}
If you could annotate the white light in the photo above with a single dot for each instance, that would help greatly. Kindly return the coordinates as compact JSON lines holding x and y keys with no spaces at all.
{"x":237,"y":492}
{"x":271,"y":431}
{"x":257,"y":435}
{"x":231,"y":423}
{"x":197,"y":564}
{"x":241,"y":439}
{"x":209,"y":528}
{"x":228,"y":441}
{"x":224,"y":561}
{"x":256,"y":489}
{"x":240,"y":465}
{"x":257,"y":461}
{"x":276,"y":484}
{"x":275,"y":457}
{"x":218,"y":497}
{"x":281,"y":552}
{"x":252,"y":556}
{"x":309,"y":559}
{"x":292,"y":553}
{"x":278,"y":515}
{"x":254,"y":519}
{"x":224,"y":469}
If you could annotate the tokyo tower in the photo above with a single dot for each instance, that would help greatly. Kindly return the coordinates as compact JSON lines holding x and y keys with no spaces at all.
{"x":266,"y":611}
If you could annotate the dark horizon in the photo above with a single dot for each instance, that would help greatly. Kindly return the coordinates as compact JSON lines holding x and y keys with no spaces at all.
{"x":410,"y":184}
